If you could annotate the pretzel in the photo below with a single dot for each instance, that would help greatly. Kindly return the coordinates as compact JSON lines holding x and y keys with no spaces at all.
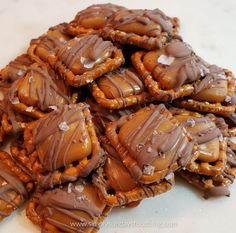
{"x":15,"y":185}
{"x":149,"y":29}
{"x":152,"y":132}
{"x":212,"y":99}
{"x":60,"y":147}
{"x":172,"y":72}
{"x":86,"y":57}
{"x":42,"y":49}
{"x":73,"y":207}
{"x":212,"y":157}
{"x":118,"y":188}
{"x":92,"y":19}
{"x":120,"y":89}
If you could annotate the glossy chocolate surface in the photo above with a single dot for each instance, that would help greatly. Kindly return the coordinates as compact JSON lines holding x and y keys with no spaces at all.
{"x":83,"y":53}
{"x":62,"y":137}
{"x":74,"y":208}
{"x":174,"y":65}
{"x":154,"y":139}
{"x":121,"y":83}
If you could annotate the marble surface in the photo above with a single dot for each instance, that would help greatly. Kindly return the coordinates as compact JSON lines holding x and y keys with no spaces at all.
{"x":209,"y":27}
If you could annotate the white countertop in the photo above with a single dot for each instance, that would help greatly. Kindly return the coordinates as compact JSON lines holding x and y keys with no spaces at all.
{"x":209,"y":26}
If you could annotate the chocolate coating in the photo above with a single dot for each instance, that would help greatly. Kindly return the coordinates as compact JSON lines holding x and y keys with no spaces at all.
{"x":15,"y":69}
{"x":174,"y":65}
{"x":49,"y":42}
{"x":83,"y":53}
{"x":117,"y":174}
{"x":62,"y":137}
{"x":10,"y":187}
{"x":214,"y":87}
{"x":216,"y":192}
{"x":205,"y":133}
{"x":96,"y":16}
{"x":40,"y":88}
{"x":142,"y":22}
{"x":154,"y":139}
{"x":121,"y":83}
{"x":76,"y":203}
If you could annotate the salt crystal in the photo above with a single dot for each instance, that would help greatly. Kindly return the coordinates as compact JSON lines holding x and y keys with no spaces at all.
{"x":222,"y":76}
{"x":221,"y":138}
{"x":82,"y":59}
{"x":139,"y":146}
{"x":20,"y":72}
{"x":31,"y":79}
{"x":4,"y":183}
{"x":148,"y":170}
{"x":15,"y":100}
{"x":53,"y":107}
{"x":68,"y":47}
{"x":165,"y":60}
{"x":190,"y":100}
{"x":89,"y":65}
{"x":70,"y":185}
{"x":191,"y":122}
{"x":79,"y":188}
{"x":82,"y":198}
{"x":63,"y":126}
{"x":29,"y":109}
{"x":149,"y":149}
{"x":169,"y":176}
{"x":228,"y":99}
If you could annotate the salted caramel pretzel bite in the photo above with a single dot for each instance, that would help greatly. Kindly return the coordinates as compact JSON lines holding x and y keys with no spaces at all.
{"x":151,"y":143}
{"x":149,"y":29}
{"x":92,"y":19}
{"x":214,"y":186}
{"x":15,"y":185}
{"x":74,"y":207}
{"x":39,"y":91}
{"x":14,"y":70}
{"x":214,"y":94}
{"x":120,"y":89}
{"x":11,"y":122}
{"x":61,"y":147}
{"x":116,"y":185}
{"x":86,"y":57}
{"x":43,"y":48}
{"x":212,"y":157}
{"x":172,"y":72}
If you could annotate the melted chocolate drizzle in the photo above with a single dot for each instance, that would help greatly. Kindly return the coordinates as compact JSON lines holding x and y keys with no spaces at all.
{"x":48,"y":128}
{"x":144,"y":18}
{"x":87,"y":49}
{"x":67,"y":202}
{"x":47,"y":92}
{"x":187,"y":67}
{"x":13,"y":184}
{"x":145,"y":143}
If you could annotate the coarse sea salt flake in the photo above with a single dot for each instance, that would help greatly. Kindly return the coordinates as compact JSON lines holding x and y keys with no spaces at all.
{"x":79,"y":188}
{"x":15,"y":100}
{"x":165,"y":60}
{"x":29,"y":109}
{"x":31,"y":79}
{"x":63,"y":126}
{"x":227,"y":99}
{"x":69,"y":190}
{"x":148,"y":170}
{"x":53,"y":107}
{"x":20,"y":72}
{"x":169,"y":176}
